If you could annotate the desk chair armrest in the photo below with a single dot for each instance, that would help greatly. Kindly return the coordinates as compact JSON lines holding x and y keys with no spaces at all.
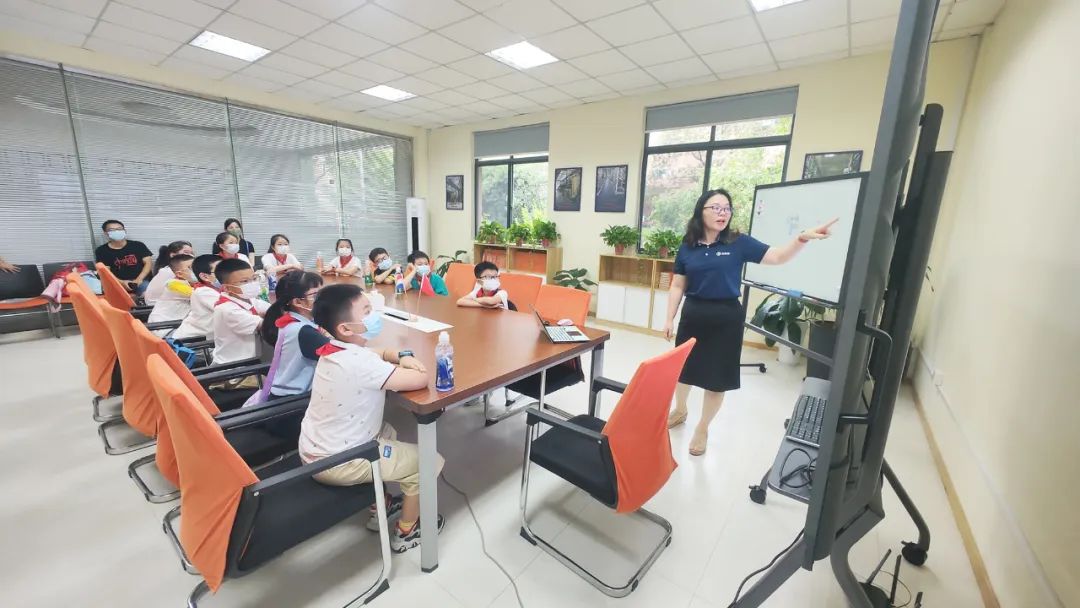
{"x":234,"y":372}
{"x":275,"y":408}
{"x":601,"y":384}
{"x":193,"y":340}
{"x":207,"y":369}
{"x":368,"y":451}
{"x":535,"y":415}
{"x":164,"y":325}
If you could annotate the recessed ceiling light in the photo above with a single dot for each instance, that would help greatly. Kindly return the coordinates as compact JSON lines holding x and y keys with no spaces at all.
{"x":764,"y":5}
{"x":522,"y":56}
{"x":228,"y":46}
{"x":388,"y":93}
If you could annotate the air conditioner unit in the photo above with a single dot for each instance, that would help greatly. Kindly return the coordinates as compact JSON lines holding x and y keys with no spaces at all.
{"x":416,"y":225}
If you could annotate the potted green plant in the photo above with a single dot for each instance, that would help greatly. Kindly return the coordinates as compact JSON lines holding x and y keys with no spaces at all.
{"x":519,"y":233}
{"x":444,"y":266}
{"x":780,"y":315}
{"x":545,"y":231}
{"x":490,"y":232}
{"x":620,"y":237}
{"x":660,"y":243}
{"x":573,"y":278}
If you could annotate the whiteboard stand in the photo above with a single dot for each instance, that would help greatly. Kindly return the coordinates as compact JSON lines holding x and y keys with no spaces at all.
{"x":746,"y":309}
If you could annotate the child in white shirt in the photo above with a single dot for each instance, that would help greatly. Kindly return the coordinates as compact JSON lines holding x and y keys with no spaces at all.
{"x":238,"y":313}
{"x":487,"y":293}
{"x":344,"y":262}
{"x":174,"y":303}
{"x":162,"y":273}
{"x":199,"y":322}
{"x":277,"y":260}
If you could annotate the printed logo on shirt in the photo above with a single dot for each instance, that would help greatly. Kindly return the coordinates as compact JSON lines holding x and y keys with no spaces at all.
{"x":127,"y":260}
{"x":386,"y":451}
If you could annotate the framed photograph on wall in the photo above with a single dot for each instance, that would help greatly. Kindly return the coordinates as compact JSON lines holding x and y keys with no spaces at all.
{"x":455,"y":192}
{"x":611,"y":188}
{"x":827,"y":164}
{"x":568,"y":189}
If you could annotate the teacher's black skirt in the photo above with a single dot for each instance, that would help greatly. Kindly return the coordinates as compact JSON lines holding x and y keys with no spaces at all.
{"x":713,"y":364}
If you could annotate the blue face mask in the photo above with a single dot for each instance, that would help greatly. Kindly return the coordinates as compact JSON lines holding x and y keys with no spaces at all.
{"x":373,"y":323}
{"x":116,"y":235}
{"x":217,"y":284}
{"x":423,"y":270}
{"x":386,"y":264}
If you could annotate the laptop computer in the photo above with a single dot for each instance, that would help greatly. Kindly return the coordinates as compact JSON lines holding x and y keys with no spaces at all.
{"x":560,"y":334}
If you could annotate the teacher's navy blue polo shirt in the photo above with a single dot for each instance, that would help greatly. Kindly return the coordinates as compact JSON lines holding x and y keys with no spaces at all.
{"x":713,"y":272}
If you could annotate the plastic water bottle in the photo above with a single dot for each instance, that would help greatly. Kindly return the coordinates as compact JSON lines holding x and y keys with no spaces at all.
{"x":399,"y":283}
{"x":318,"y":262}
{"x":264,"y":286}
{"x":444,"y":363}
{"x":378,"y":301}
{"x":369,"y":281}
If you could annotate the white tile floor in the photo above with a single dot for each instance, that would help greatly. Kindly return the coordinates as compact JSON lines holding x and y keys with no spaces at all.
{"x":76,"y":532}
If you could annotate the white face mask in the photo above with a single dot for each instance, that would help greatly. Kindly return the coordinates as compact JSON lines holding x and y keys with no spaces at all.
{"x":251,"y":290}
{"x":491,"y":284}
{"x":232,"y":248}
{"x":344,"y":251}
{"x":282,"y":249}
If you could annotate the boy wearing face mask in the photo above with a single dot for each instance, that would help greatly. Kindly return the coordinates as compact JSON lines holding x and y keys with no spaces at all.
{"x":348,"y":395}
{"x":488,"y":292}
{"x":385,"y":268}
{"x":199,"y":322}
{"x":175,"y":300}
{"x":418,"y":275}
{"x":238,"y":312}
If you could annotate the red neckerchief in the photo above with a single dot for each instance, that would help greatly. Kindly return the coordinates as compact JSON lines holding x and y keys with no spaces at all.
{"x":225,"y":255}
{"x":481,"y":293}
{"x":284,"y":320}
{"x":225,"y":299}
{"x":344,"y":261}
{"x":281,"y":258}
{"x":328,"y":349}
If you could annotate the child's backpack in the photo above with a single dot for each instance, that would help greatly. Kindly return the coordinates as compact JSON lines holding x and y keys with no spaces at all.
{"x":186,"y":354}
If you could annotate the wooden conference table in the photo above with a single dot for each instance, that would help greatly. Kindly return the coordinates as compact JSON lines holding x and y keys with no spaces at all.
{"x":492,"y":348}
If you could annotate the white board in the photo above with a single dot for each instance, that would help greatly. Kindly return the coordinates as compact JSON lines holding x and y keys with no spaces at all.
{"x":781,"y":212}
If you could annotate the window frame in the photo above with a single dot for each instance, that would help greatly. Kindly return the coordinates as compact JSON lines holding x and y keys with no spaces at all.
{"x":708,"y":147}
{"x":509,"y":161}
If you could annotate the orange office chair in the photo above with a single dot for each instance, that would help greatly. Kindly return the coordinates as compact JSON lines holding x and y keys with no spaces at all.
{"x":99,"y":352}
{"x":21,"y":291}
{"x":141,"y":410}
{"x":522,"y":289}
{"x":622,"y":462}
{"x":236,"y":520}
{"x":459,"y":279}
{"x":116,"y":295}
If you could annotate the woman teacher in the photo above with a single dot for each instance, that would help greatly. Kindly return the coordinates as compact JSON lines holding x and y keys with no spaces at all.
{"x":708,"y":269}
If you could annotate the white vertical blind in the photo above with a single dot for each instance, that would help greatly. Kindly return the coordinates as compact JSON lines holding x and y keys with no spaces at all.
{"x":158,"y":161}
{"x":288,"y":181}
{"x":41,"y":203}
{"x":375,"y":180}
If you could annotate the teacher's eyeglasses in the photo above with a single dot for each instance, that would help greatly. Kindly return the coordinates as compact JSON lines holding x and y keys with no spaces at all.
{"x":718,"y":209}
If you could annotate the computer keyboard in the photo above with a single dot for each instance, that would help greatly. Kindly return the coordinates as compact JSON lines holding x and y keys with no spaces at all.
{"x":559,"y":333}
{"x":805,"y":425}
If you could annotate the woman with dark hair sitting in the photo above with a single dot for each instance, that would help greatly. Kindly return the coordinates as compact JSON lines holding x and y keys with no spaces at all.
{"x":235,"y":228}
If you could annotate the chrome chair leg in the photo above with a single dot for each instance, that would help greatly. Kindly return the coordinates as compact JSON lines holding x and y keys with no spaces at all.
{"x":140,"y":483}
{"x":98,"y":416}
{"x":382,"y":583}
{"x":174,"y":538}
{"x":113,"y":450}
{"x":517,"y":408}
{"x":200,"y":590}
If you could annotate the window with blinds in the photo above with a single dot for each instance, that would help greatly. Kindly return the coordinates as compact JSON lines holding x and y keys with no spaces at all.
{"x":376,"y":177}
{"x":287,"y":176}
{"x":40,"y":197}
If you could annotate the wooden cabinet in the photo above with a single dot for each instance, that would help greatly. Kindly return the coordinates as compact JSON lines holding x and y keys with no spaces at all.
{"x":633,"y":291}
{"x":524,"y":259}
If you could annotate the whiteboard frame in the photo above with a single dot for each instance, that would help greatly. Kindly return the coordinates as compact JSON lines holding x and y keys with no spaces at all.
{"x":862,"y":177}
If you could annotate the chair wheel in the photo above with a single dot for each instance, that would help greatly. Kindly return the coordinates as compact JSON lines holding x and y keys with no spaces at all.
{"x":761,"y":368}
{"x":668,"y":543}
{"x":914,"y":554}
{"x":757,"y":494}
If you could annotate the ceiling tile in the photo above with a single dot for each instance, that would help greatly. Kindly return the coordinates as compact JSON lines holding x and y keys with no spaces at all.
{"x":317,"y":87}
{"x":737,"y":59}
{"x":814,"y":43}
{"x":346,"y":40}
{"x":88,"y":8}
{"x":601,"y":97}
{"x":196,"y":55}
{"x":380,"y":23}
{"x":658,"y":50}
{"x":691,"y":82}
{"x":47,"y":15}
{"x":628,"y":80}
{"x":570,"y":101}
{"x":453,"y":98}
{"x":865,"y":10}
{"x":516,"y":82}
{"x":875,"y":32}
{"x":186,"y":11}
{"x":277,"y":14}
{"x":253,"y":33}
{"x":869,"y":50}
{"x":630,"y":26}
{"x":723,"y":36}
{"x":802,"y":17}
{"x":547,"y":95}
{"x":605,"y":62}
{"x":253,"y":83}
{"x":288,"y":63}
{"x":961,"y":33}
{"x":480,"y":34}
{"x":345,"y":81}
{"x":414,"y":85}
{"x":812,"y":59}
{"x":486,"y":108}
{"x":482,"y":67}
{"x":749,"y":71}
{"x":584,"y":88}
{"x":371,"y":71}
{"x":111,"y":47}
{"x":222,"y":4}
{"x":420,"y":103}
{"x":942,"y":13}
{"x":572,"y":42}
{"x":438,"y":49}
{"x":259,"y":70}
{"x":643,"y":90}
{"x":481,"y":5}
{"x":591,"y":9}
{"x":317,"y":53}
{"x":361,"y":101}
{"x":512,"y":102}
{"x":970,"y":13}
{"x":201,"y":69}
{"x":687,"y":14}
{"x":123,"y":35}
{"x":327,"y":9}
{"x":460,"y":114}
{"x":679,"y":70}
{"x":446,"y":77}
{"x":482,"y":90}
{"x":34,"y":28}
{"x":557,"y":73}
{"x":401,"y":60}
{"x":432,"y":14}
{"x":531,"y":18}
{"x":303,"y":94}
{"x":149,"y":23}
{"x":346,"y":104}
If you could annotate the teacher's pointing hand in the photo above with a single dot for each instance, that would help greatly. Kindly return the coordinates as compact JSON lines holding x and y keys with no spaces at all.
{"x":823,"y":231}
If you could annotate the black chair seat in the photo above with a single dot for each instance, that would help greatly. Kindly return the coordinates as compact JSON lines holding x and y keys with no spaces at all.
{"x":257,"y":445}
{"x":558,"y":377}
{"x":284,"y":519}
{"x":227,"y":400}
{"x":578,"y":459}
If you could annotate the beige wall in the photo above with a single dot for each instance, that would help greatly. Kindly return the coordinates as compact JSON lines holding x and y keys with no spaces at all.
{"x":999,"y":379}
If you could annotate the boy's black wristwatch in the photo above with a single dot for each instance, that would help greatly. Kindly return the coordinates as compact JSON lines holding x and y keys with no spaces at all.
{"x":404,"y":353}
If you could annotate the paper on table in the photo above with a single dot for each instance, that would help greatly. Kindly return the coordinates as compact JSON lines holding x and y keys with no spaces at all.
{"x":421,"y":323}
